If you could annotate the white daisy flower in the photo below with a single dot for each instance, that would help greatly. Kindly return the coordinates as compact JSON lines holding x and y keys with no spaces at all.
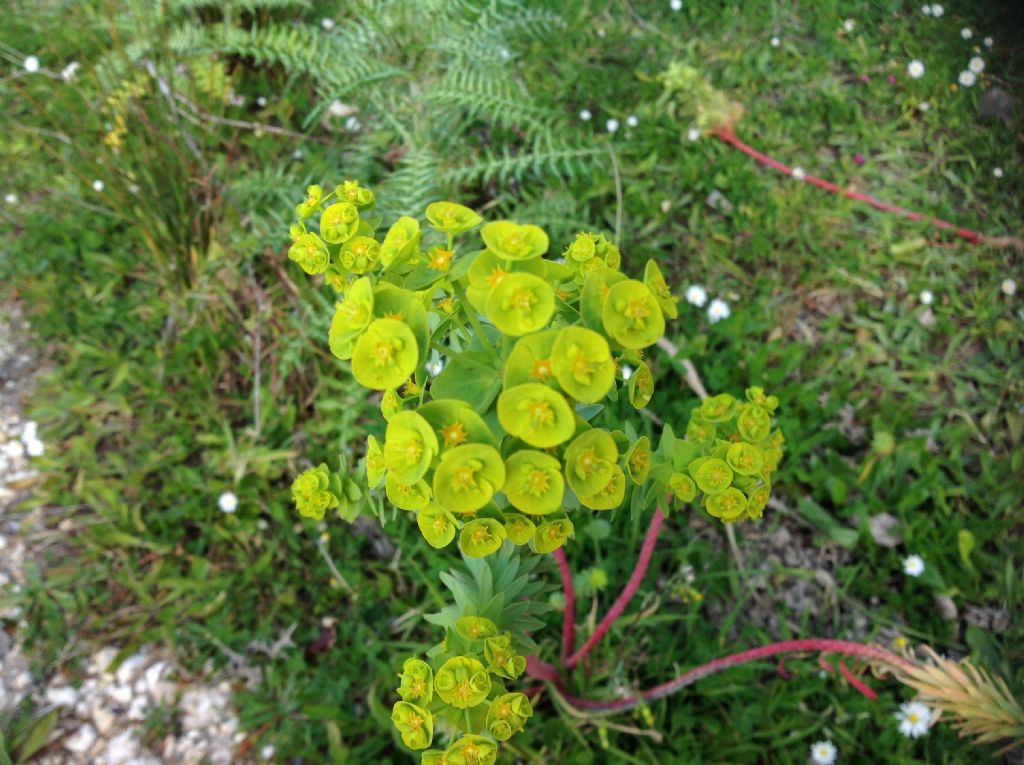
{"x":937,"y":10}
{"x":967,"y":78}
{"x":987,"y":42}
{"x":976,"y":64}
{"x":11,"y":198}
{"x":353,"y":125}
{"x":267,"y":752}
{"x":824,"y":753}
{"x":926,"y":10}
{"x":924,"y":106}
{"x":327,"y":24}
{"x":585,"y":115}
{"x":627,"y":371}
{"x":632,"y":120}
{"x":693,"y":134}
{"x":849,"y":25}
{"x":926,"y":297}
{"x":799,"y":173}
{"x":676,"y":5}
{"x":612,"y":125}
{"x":966,"y":33}
{"x":915,"y":69}
{"x":997,"y":172}
{"x":696,"y":295}
{"x":68,"y":73}
{"x":227,"y":502}
{"x":1009,"y":287}
{"x":776,"y":42}
{"x":98,"y":185}
{"x":34,"y":448}
{"x":261,"y":101}
{"x":718,"y":310}
{"x":913,"y":565}
{"x":914,"y":718}
{"x":31,"y":64}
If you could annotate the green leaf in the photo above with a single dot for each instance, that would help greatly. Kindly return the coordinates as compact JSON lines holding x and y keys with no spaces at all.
{"x":37,"y":735}
{"x":820,"y":518}
{"x":965,"y":542}
{"x":469,"y":377}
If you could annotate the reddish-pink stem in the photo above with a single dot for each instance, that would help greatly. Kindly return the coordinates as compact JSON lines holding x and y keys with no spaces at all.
{"x":843,"y":647}
{"x":627,"y":593}
{"x":726,"y":134}
{"x":569,"y":619}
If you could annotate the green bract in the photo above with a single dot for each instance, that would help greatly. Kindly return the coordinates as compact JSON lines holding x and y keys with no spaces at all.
{"x":659,"y":287}
{"x":416,"y":682}
{"x":308,"y":207}
{"x":407,"y":496}
{"x":758,"y":500}
{"x":409,"y":446}
{"x":310,"y":253}
{"x":631,"y":315}
{"x":501,"y":658}
{"x":583,"y":364}
{"x":468,"y":476}
{"x":610,"y":495}
{"x":314,"y":493}
{"x":481,"y":537}
{"x":507,"y":715}
{"x":683,"y":487}
{"x":475,"y":627}
{"x":745,"y":459}
{"x":353,"y":193}
{"x":452,"y":218}
{"x":641,"y":386}
{"x":638,"y":460}
{"x":712,"y":475}
{"x":520,"y":303}
{"x":519,"y":528}
{"x":401,"y":243}
{"x":455,"y":424}
{"x":339,"y":222}
{"x":727,"y":505}
{"x":511,"y":241}
{"x":536,"y":414}
{"x":699,"y":429}
{"x":533,"y":482}
{"x":472,"y":750}
{"x":375,"y":464}
{"x":436,"y":525}
{"x":552,"y":534}
{"x":351,"y":317}
{"x":462,"y":682}
{"x":754,"y":423}
{"x":590,"y":462}
{"x":718,"y":408}
{"x":415,"y":724}
{"x":531,"y":359}
{"x":384,"y":355}
{"x":360,"y":254}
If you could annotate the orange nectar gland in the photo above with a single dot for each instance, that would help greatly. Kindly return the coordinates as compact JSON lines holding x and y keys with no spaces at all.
{"x":609,"y":488}
{"x":542,"y":369}
{"x":496,"y":276}
{"x":440,"y":524}
{"x":453,"y":434}
{"x":537,"y":482}
{"x":717,"y":475}
{"x":480,"y":534}
{"x":441,"y":260}
{"x":637,"y":310}
{"x":540,"y":413}
{"x":396,"y":315}
{"x":419,"y":687}
{"x":471,"y":751}
{"x":383,"y":352}
{"x":504,"y":710}
{"x":639,"y":459}
{"x":446,"y":304}
{"x":415,"y":721}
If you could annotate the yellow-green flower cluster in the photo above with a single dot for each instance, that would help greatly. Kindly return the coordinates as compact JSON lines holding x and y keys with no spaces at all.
{"x":465,"y":684}
{"x":317,"y":490}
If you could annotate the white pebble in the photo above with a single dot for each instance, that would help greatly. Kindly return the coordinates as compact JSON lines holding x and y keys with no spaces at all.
{"x":103,"y":719}
{"x":120,"y":694}
{"x":65,"y":696}
{"x":81,"y":740}
{"x":130,"y":668}
{"x":121,"y":748}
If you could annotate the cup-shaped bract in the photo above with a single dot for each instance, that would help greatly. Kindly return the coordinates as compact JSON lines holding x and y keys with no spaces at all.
{"x":533,"y":482}
{"x":713,"y":475}
{"x":610,"y":495}
{"x":520,"y":303}
{"x":452,"y":218}
{"x":353,"y":193}
{"x":339,"y":222}
{"x":744,"y":458}
{"x":310,"y":252}
{"x":502,"y":658}
{"x":468,"y":476}
{"x":351,"y":316}
{"x":375,"y":464}
{"x":511,"y":241}
{"x":531,"y":359}
{"x":552,"y":534}
{"x":519,"y":528}
{"x":308,"y":206}
{"x":385,"y":355}
{"x":537,"y":414}
{"x":481,"y":537}
{"x":416,"y":682}
{"x":462,"y":681}
{"x":641,"y":386}
{"x":659,"y":287}
{"x":589,"y":461}
{"x":475,"y":627}
{"x":638,"y":460}
{"x":315,"y":493}
{"x":407,"y":496}
{"x":596,"y":288}
{"x":507,"y":715}
{"x":409,"y":446}
{"x":729,"y":505}
{"x":414,"y":723}
{"x":720,"y":408}
{"x":583,"y":364}
{"x":436,"y":525}
{"x":631,"y":315}
{"x":401,"y":243}
{"x":753,"y":423}
{"x":698,"y":429}
{"x":360,"y":254}
{"x":456,"y":423}
{"x":471,"y":749}
{"x":758,"y":500}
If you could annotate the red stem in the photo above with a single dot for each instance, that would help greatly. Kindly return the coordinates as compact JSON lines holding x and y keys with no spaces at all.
{"x":569,"y":619}
{"x":843,"y":647}
{"x":726,"y":134}
{"x":627,"y":593}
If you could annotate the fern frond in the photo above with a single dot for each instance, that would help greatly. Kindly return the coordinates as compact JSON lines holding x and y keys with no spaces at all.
{"x":498,"y":102}
{"x":547,"y":156}
{"x":252,"y":6}
{"x":414,"y":184}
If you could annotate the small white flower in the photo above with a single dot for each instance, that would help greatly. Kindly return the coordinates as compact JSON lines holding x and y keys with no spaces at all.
{"x":632,"y":121}
{"x":967,"y":78}
{"x":676,"y":5}
{"x":914,"y":718}
{"x":627,"y":371}
{"x":775,"y":42}
{"x":68,"y":73}
{"x":227,"y":502}
{"x":696,"y":295}
{"x":987,"y":42}
{"x":823,"y":753}
{"x":926,"y":297}
{"x":693,"y":134}
{"x":666,"y":205}
{"x":926,"y":10}
{"x":997,"y":172}
{"x":913,"y":565}
{"x":327,"y":24}
{"x":261,"y":101}
{"x":434,"y":367}
{"x":1009,"y":287}
{"x":966,"y":33}
{"x":338,"y":109}
{"x":937,"y":10}
{"x":297,"y":154}
{"x":798,"y":173}
{"x":353,"y":125}
{"x":98,"y":185}
{"x":976,"y":64}
{"x":612,"y":125}
{"x":235,"y":99}
{"x":585,"y":115}
{"x":34,"y":448}
{"x":267,"y":752}
{"x":504,"y":54}
{"x":718,"y":310}
{"x":924,"y":106}
{"x":11,"y":198}
{"x":915,"y":69}
{"x":31,"y":64}
{"x":30,"y":431}
{"x":849,"y":25}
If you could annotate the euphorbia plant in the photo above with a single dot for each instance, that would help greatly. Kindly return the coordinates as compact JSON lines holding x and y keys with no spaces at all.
{"x":512,"y":440}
